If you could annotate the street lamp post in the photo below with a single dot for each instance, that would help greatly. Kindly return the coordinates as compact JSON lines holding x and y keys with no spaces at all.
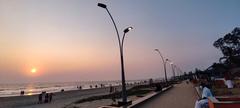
{"x":172,"y":65}
{"x":120,"y":42}
{"x":179,"y":71}
{"x":164,"y":64}
{"x":174,"y":75}
{"x":175,"y":70}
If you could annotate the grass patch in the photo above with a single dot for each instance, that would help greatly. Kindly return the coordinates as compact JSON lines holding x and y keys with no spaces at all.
{"x":137,"y":90}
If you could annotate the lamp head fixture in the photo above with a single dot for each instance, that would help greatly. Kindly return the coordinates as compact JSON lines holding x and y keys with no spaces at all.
{"x":102,"y":5}
{"x":128,"y":29}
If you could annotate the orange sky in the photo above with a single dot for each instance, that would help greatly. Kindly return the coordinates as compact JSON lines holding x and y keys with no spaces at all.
{"x":75,"y":40}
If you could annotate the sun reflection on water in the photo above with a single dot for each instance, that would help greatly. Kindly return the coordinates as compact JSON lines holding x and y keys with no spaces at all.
{"x":29,"y":94}
{"x":29,"y":90}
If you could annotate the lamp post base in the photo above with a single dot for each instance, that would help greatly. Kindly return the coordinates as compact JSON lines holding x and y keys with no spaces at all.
{"x":121,"y":103}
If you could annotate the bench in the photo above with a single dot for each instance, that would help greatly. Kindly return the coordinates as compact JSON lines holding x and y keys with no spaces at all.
{"x":224,"y":102}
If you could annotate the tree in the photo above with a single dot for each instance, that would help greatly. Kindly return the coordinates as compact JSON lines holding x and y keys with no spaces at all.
{"x":229,"y":45}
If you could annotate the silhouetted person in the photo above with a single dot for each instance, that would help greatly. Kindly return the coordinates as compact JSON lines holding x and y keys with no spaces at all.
{"x":102,"y":85}
{"x":46,"y":98}
{"x":111,"y":89}
{"x":80,"y":87}
{"x":22,"y":93}
{"x":40,"y":98}
{"x":90,"y":86}
{"x":114,"y":90}
{"x":96,"y":86}
{"x":50,"y":97}
{"x":62,"y":90}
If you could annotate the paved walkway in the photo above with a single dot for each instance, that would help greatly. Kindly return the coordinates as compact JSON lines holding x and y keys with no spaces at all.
{"x":180,"y":96}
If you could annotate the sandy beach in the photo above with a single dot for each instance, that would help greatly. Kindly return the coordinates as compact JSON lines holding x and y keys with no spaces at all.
{"x":60,"y":99}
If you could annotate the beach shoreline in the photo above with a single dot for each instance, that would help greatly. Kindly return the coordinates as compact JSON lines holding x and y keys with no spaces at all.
{"x":60,"y":99}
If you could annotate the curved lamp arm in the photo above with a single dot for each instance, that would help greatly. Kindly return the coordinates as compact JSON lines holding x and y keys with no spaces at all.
{"x":124,"y":34}
{"x":115,"y":26}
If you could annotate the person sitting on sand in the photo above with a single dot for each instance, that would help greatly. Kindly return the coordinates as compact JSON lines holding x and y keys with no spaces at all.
{"x":40,"y":98}
{"x":114,"y":90}
{"x":203,"y":102}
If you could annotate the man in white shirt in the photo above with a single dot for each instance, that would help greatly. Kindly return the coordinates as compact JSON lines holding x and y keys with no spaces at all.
{"x":228,"y":83}
{"x":203,"y":102}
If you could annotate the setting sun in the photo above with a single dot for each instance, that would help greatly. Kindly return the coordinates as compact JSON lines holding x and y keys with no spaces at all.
{"x":33,"y":70}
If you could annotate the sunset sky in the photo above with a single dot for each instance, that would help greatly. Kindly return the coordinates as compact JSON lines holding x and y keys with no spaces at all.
{"x":74,"y":40}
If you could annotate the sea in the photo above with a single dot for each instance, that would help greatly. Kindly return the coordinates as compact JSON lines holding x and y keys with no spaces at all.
{"x":8,"y":90}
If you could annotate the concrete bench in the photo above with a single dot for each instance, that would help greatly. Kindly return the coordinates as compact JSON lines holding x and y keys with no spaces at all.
{"x":223,"y":102}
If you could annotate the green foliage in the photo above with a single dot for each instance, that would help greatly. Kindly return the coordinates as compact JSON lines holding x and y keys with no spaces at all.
{"x":137,"y":90}
{"x":198,"y":70}
{"x":229,"y":44}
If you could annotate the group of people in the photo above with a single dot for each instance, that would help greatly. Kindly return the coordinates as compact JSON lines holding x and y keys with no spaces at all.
{"x":79,"y":87}
{"x":206,"y":83}
{"x":45,"y":97}
{"x":96,"y":86}
{"x":112,"y":89}
{"x":22,"y":93}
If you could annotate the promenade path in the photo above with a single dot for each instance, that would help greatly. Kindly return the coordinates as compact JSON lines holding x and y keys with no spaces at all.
{"x":180,"y":96}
